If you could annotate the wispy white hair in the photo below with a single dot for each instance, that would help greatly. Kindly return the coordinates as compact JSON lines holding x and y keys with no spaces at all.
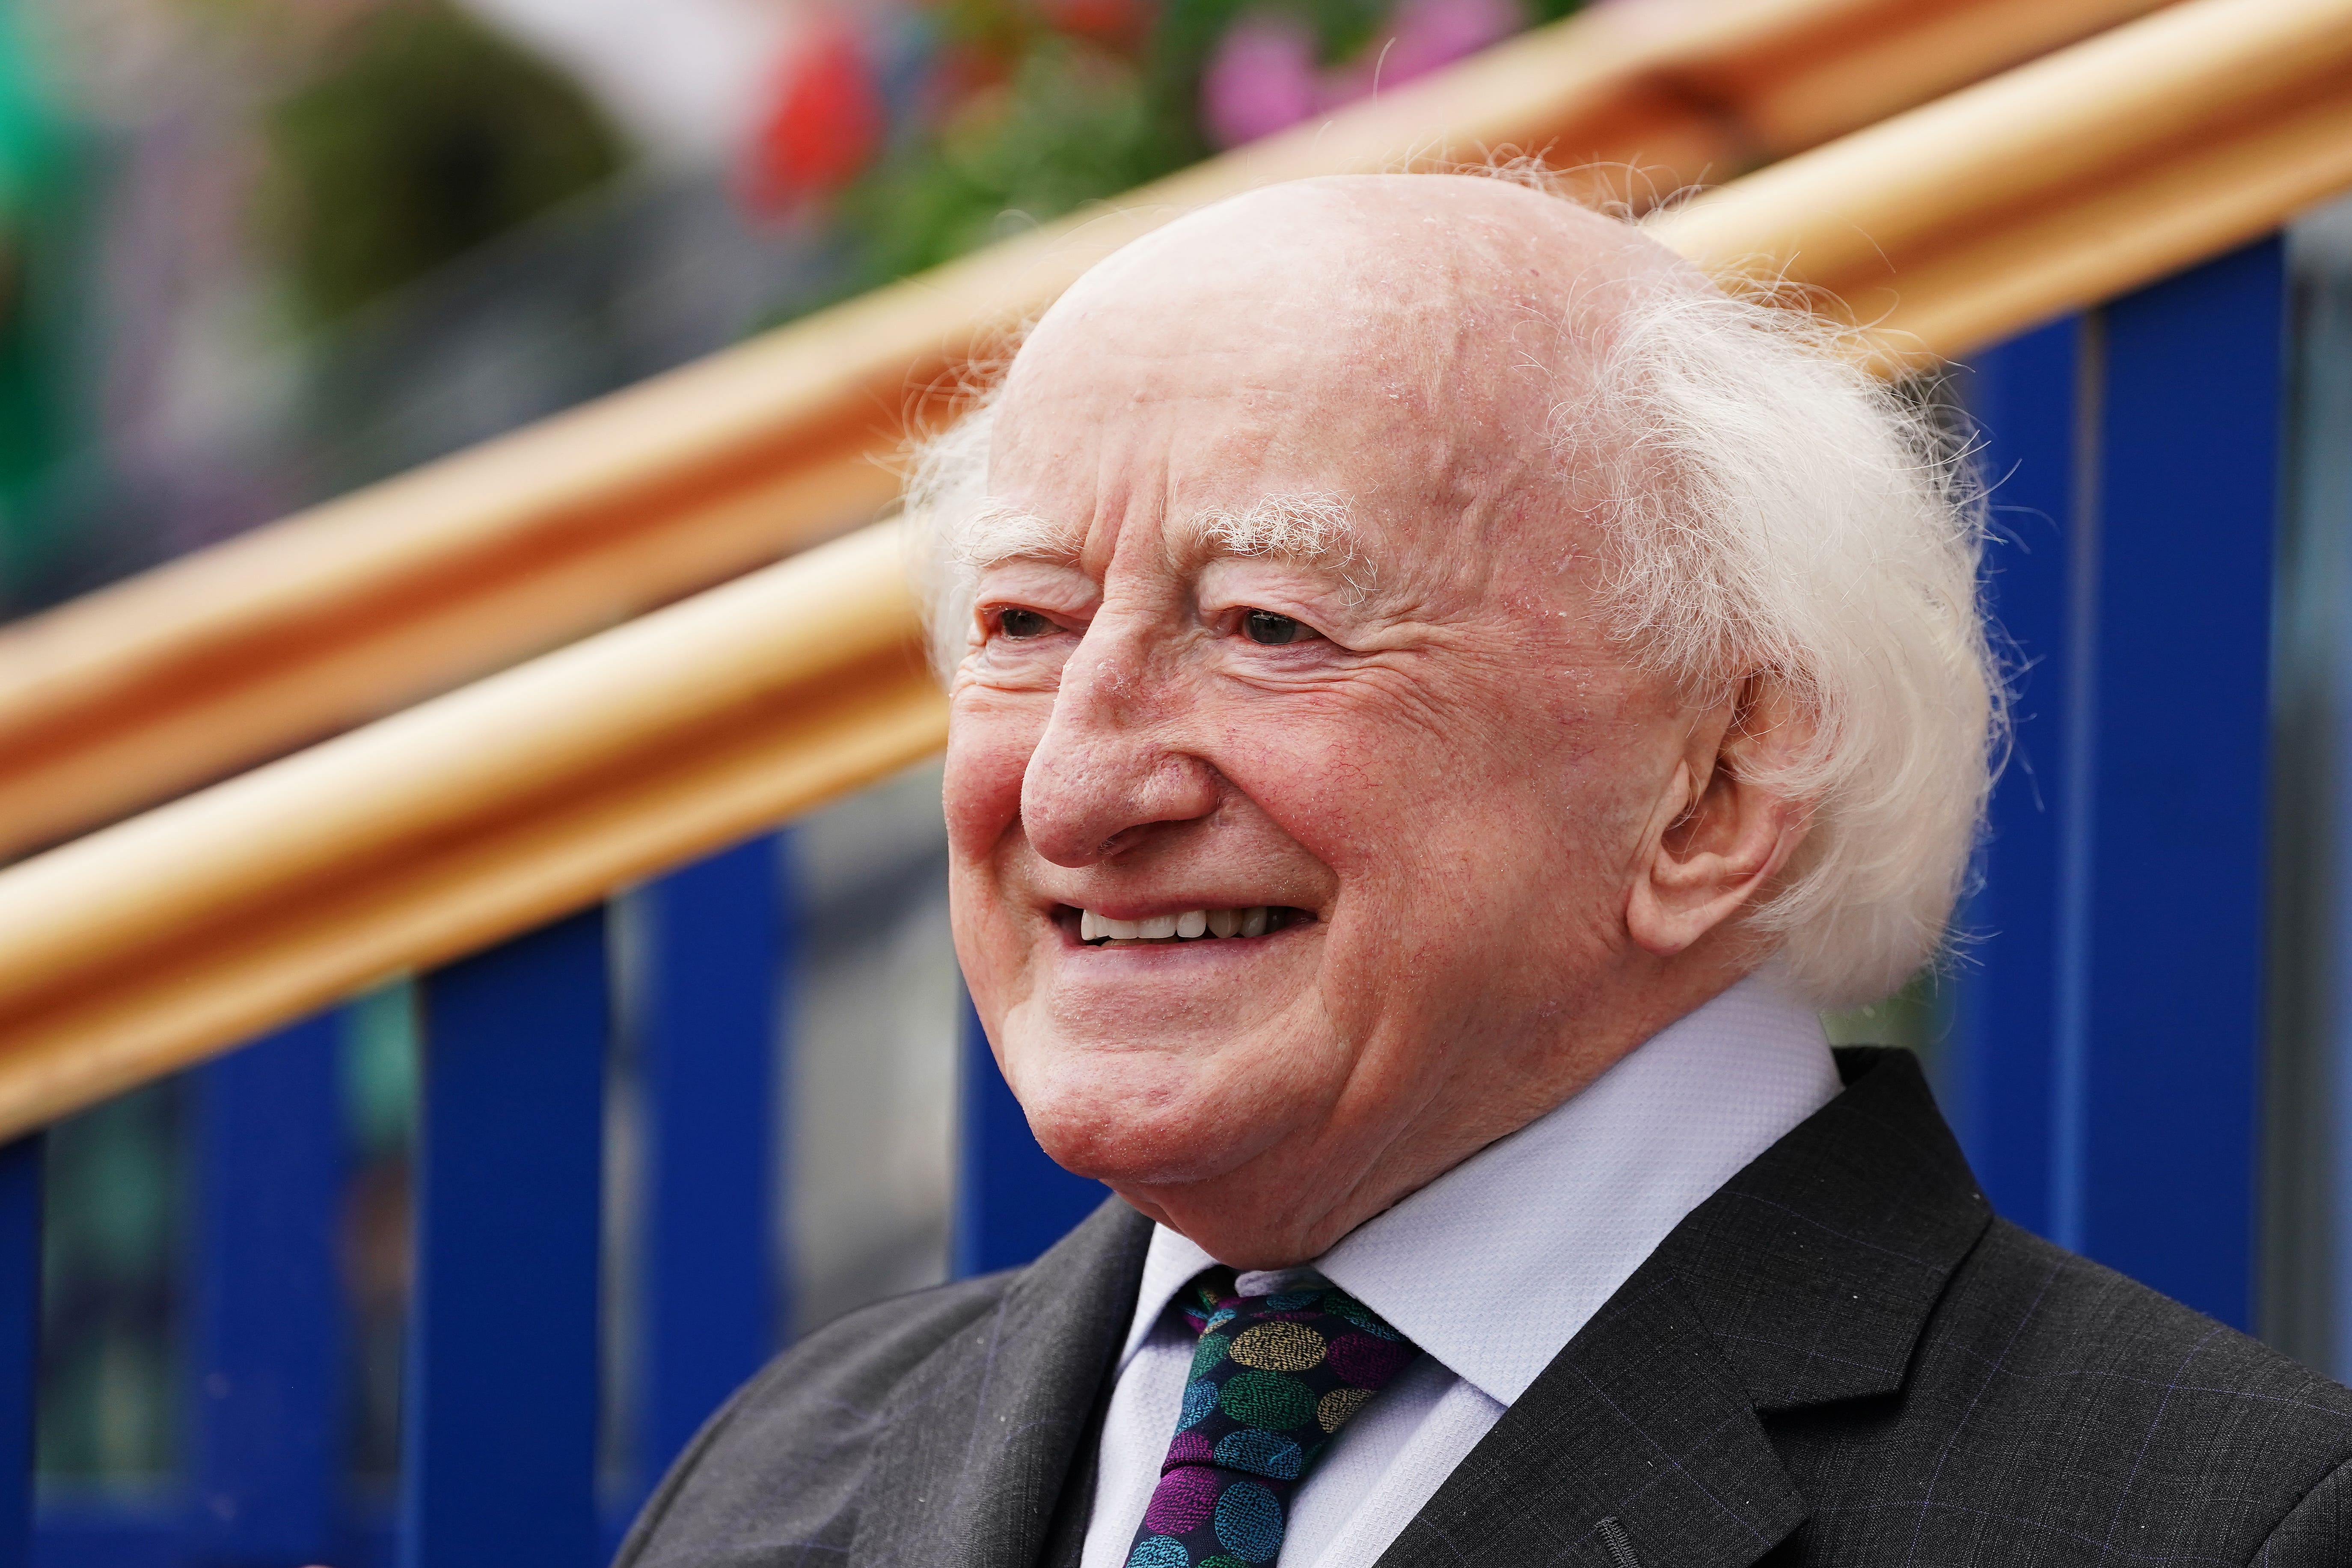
{"x":946,"y":502}
{"x":1773,"y":510}
{"x":1770,"y":510}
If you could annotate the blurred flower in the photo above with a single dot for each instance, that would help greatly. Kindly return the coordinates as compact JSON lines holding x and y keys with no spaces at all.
{"x":1261,"y":78}
{"x":1427,"y":34}
{"x":825,"y":123}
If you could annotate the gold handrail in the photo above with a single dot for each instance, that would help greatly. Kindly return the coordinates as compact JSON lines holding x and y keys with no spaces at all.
{"x":2061,"y":183}
{"x":413,"y":586}
{"x":145,"y":946}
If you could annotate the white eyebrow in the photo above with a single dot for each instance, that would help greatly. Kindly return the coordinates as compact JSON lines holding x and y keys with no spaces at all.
{"x":1000,"y":531}
{"x":1315,"y":527}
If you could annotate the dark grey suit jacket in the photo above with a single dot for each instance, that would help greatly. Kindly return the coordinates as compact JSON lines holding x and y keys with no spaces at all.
{"x":1841,"y":1357}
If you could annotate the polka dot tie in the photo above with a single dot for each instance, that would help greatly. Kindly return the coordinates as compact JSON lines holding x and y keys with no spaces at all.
{"x":1273,"y":1380}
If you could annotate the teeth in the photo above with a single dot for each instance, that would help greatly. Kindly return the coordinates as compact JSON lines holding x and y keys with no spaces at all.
{"x":1185,"y":927}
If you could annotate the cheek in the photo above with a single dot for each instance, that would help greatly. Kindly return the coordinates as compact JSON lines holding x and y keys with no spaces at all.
{"x":991,"y":737}
{"x":1492,"y":812}
{"x":1312,"y":783}
{"x":1361,"y":790}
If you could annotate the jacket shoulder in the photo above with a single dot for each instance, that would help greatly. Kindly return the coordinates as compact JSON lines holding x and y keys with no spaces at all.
{"x":2319,"y":1531}
{"x":776,"y":1470}
{"x":2116,"y":1346}
{"x":2056,"y":1411}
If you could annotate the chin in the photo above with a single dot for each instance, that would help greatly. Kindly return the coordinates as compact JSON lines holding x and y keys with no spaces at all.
{"x":1132,"y":1119}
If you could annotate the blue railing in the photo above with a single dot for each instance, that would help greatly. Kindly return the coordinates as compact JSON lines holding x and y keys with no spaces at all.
{"x":2110,"y":1059}
{"x":2105,"y":1066}
{"x":501,"y":1456}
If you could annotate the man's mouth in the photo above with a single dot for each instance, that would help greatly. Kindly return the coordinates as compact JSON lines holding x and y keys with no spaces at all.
{"x":1191,"y":925}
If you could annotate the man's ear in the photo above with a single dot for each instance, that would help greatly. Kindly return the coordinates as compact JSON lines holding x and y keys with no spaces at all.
{"x":1719,"y":838}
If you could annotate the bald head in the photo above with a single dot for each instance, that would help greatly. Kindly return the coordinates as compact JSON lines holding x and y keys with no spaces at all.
{"x":1451,"y":314}
{"x":1395,"y":267}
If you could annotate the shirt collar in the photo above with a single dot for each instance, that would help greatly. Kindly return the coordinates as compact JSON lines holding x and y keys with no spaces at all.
{"x":1493,"y":1267}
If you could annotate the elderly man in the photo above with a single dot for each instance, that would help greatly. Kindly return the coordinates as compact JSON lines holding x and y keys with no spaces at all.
{"x":1441,"y":695}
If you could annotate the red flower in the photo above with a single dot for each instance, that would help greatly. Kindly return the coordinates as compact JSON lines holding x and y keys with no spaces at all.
{"x":1122,"y":24}
{"x":825,"y":118}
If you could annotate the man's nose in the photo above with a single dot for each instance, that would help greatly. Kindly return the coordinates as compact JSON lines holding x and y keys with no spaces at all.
{"x":1112,"y":761}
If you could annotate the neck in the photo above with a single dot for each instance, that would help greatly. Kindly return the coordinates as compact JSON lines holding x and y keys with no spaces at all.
{"x":1294,"y":1202}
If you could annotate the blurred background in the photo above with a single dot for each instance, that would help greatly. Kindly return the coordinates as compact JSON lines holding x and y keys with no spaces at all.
{"x":259,"y":251}
{"x":254,"y":253}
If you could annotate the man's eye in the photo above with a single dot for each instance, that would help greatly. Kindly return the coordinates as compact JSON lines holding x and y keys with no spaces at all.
{"x":1266,"y":626}
{"x":1020,"y":624}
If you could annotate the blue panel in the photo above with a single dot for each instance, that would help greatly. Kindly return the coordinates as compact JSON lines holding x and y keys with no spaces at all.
{"x":1011,"y":1202}
{"x":114,"y":1532}
{"x":267,"y":1310}
{"x":2155,"y":1162}
{"x":2023,"y":397}
{"x":500,"y":1436}
{"x":80,"y":1533}
{"x":718,"y":940}
{"x":20,"y":1325}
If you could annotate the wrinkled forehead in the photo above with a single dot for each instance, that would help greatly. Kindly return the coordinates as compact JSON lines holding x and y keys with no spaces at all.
{"x":1401,"y":340}
{"x":1310,"y":296}
{"x":1254,"y":358}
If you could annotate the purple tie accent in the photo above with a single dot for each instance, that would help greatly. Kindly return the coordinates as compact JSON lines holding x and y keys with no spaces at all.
{"x":1274,"y":1379}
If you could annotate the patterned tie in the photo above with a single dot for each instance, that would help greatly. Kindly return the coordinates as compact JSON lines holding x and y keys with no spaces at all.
{"x":1273,"y":1380}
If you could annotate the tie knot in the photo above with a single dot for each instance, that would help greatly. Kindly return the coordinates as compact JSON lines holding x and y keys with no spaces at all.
{"x":1273,"y":1378}
{"x":1287,"y":1341}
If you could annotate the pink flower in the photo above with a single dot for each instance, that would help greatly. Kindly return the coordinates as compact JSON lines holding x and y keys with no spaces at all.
{"x":1261,"y":79}
{"x":1426,"y":33}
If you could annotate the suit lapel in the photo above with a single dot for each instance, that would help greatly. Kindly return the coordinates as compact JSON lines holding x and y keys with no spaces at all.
{"x":1816,"y":1267}
{"x":1805,"y":1281}
{"x":1640,"y":1420}
{"x":984,"y":1433}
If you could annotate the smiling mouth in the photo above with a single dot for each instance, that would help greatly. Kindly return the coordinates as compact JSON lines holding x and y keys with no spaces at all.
{"x":1192,"y":925}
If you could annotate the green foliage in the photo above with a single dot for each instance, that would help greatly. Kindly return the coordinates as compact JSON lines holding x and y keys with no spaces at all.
{"x":427,"y":135}
{"x":1064,"y":118}
{"x":1071,"y":126}
{"x":40,"y":232}
{"x":1072,"y":120}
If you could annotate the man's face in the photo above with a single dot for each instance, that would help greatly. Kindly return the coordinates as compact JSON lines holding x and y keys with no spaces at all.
{"x":1406,"y":743}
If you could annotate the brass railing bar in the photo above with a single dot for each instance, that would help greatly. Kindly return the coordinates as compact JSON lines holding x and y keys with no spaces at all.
{"x":2170,"y":99}
{"x":444,"y":828}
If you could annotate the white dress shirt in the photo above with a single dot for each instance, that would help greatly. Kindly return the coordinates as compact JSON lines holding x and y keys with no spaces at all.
{"x":1491,"y":1270}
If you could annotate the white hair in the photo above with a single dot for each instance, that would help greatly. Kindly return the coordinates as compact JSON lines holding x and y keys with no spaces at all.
{"x":1774,"y":510}
{"x":950,"y":518}
{"x":1771,"y":509}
